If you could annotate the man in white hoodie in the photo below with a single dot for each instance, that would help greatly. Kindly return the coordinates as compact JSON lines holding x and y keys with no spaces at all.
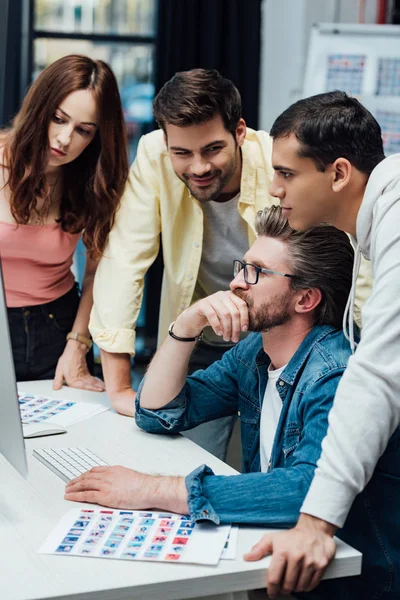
{"x":330,"y":167}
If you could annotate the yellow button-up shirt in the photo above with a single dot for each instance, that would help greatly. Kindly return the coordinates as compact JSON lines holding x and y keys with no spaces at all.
{"x":157,"y":202}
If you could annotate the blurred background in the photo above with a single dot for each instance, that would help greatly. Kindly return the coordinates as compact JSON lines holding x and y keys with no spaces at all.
{"x":275,"y":51}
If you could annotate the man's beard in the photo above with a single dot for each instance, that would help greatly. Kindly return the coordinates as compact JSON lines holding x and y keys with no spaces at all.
{"x":269,"y":315}
{"x":214,"y":190}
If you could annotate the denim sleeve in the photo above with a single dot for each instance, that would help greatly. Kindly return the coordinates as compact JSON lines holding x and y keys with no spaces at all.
{"x":207,"y":395}
{"x":272,"y":498}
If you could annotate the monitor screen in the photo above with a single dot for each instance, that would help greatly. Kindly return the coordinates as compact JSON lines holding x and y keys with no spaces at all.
{"x":12,"y":445}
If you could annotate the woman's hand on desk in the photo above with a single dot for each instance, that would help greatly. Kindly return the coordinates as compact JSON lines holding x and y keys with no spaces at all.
{"x":72,"y":368}
{"x":118,"y":487}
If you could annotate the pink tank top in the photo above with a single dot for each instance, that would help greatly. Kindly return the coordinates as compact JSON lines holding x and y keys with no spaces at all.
{"x":36,"y":261}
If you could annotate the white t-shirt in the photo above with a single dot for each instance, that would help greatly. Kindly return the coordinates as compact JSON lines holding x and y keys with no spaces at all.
{"x":270,"y":413}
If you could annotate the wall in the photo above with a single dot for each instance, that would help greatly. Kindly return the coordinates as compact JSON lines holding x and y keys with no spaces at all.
{"x":286,"y":26}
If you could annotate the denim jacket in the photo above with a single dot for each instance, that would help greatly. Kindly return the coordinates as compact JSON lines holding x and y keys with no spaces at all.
{"x":236,"y":384}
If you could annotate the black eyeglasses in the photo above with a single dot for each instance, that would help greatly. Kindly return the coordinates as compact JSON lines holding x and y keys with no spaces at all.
{"x":252,"y":273}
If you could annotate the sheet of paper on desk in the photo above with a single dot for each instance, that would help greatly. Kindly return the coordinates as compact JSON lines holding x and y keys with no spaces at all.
{"x":229,"y":551}
{"x":136,"y":535}
{"x":36,"y":409}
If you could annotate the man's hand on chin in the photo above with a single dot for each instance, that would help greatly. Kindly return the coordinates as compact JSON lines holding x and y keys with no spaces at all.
{"x":300,"y":555}
{"x":118,"y":487}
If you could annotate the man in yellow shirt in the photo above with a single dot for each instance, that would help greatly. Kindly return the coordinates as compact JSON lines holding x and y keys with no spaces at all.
{"x":199,"y":179}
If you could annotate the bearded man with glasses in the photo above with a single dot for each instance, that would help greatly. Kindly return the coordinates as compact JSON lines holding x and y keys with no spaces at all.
{"x":291,"y":289}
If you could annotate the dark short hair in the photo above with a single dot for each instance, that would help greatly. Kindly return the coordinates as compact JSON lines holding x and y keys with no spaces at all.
{"x":320,"y":257}
{"x":333,"y":125}
{"x":196,"y":96}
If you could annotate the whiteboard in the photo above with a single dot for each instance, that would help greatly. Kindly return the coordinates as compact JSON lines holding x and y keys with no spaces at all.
{"x":364,"y":61}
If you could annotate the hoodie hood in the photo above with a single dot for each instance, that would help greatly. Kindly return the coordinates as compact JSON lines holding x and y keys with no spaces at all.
{"x":383,"y":185}
{"x":384,"y":179}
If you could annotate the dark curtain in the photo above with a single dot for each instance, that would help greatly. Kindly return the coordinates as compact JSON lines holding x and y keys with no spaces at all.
{"x":211,"y":34}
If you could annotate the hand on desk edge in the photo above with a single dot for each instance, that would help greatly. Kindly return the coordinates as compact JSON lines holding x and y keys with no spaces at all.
{"x":300,"y":556}
{"x":119,"y":487}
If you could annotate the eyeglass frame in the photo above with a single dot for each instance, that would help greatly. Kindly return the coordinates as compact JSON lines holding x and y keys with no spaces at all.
{"x":258,"y":271}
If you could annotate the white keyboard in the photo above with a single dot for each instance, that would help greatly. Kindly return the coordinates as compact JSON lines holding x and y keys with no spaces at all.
{"x":68,"y":463}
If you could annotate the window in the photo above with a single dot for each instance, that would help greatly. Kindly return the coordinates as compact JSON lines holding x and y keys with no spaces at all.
{"x":120,"y":32}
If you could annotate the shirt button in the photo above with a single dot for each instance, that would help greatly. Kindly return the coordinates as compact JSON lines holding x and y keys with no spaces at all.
{"x":238,"y":413}
{"x":190,"y":277}
{"x":205,"y":513}
{"x":181,"y":306}
{"x":27,"y":313}
{"x":281,"y":383}
{"x":196,"y":244}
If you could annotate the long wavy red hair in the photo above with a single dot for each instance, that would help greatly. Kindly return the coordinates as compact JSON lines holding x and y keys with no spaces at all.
{"x":93,"y":183}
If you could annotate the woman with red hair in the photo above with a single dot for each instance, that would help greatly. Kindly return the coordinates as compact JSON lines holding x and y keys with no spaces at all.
{"x":63,"y":167}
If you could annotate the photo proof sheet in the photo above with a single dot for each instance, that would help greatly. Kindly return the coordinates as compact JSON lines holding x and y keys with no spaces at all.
{"x":136,"y":535}
{"x":38,"y":409}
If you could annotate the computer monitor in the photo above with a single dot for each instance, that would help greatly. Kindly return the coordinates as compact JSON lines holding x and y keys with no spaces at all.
{"x":12,"y":445}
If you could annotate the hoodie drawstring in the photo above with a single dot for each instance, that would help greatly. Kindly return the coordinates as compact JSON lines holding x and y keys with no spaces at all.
{"x":348,"y":316}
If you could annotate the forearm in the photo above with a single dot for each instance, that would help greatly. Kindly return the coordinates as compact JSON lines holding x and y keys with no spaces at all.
{"x":167,"y":374}
{"x":168,"y":493}
{"x":116,"y":371}
{"x":81,"y":323}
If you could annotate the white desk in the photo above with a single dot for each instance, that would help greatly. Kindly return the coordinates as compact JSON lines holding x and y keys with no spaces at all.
{"x":29,"y":509}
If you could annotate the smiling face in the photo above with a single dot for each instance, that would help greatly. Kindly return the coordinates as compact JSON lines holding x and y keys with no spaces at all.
{"x":72,"y":128}
{"x":304,"y":192}
{"x":271,"y":300}
{"x":206,"y":157}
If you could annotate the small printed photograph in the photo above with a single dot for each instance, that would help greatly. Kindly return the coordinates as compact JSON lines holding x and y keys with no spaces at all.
{"x":107,"y":551}
{"x":75,"y":531}
{"x":148,"y":522}
{"x":178,"y":549}
{"x":117,"y":535}
{"x":165,"y":516}
{"x":143,"y":529}
{"x":125,"y":512}
{"x":69,"y":404}
{"x":70,"y":539}
{"x":122,"y":528}
{"x":112,"y":543}
{"x":129,"y":555}
{"x":86,"y":550}
{"x":106,"y":512}
{"x":102,"y":526}
{"x":96,"y":534}
{"x":181,"y":541}
{"x":172,"y":557}
{"x":64,"y":548}
{"x":184,"y":532}
{"x":145,"y":514}
{"x":133,"y":544}
{"x":166,"y":523}
{"x":155,"y":547}
{"x":159,"y":539}
{"x":163,"y":530}
{"x":81,"y":524}
{"x":187,"y":525}
{"x":151,"y":554}
{"x":139,"y":538}
{"x":127,"y":521}
{"x":91,"y":541}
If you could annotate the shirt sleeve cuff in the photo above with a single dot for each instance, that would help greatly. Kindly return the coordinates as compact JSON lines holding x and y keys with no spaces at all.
{"x":200,"y":508}
{"x":167,"y":419}
{"x":114,"y":340}
{"x":329,"y":500}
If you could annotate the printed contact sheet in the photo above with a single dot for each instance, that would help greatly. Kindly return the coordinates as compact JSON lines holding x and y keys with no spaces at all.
{"x":37,"y":409}
{"x":137,"y":535}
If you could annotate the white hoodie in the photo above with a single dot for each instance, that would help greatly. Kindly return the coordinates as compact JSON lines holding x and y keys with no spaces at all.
{"x":366,"y":410}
